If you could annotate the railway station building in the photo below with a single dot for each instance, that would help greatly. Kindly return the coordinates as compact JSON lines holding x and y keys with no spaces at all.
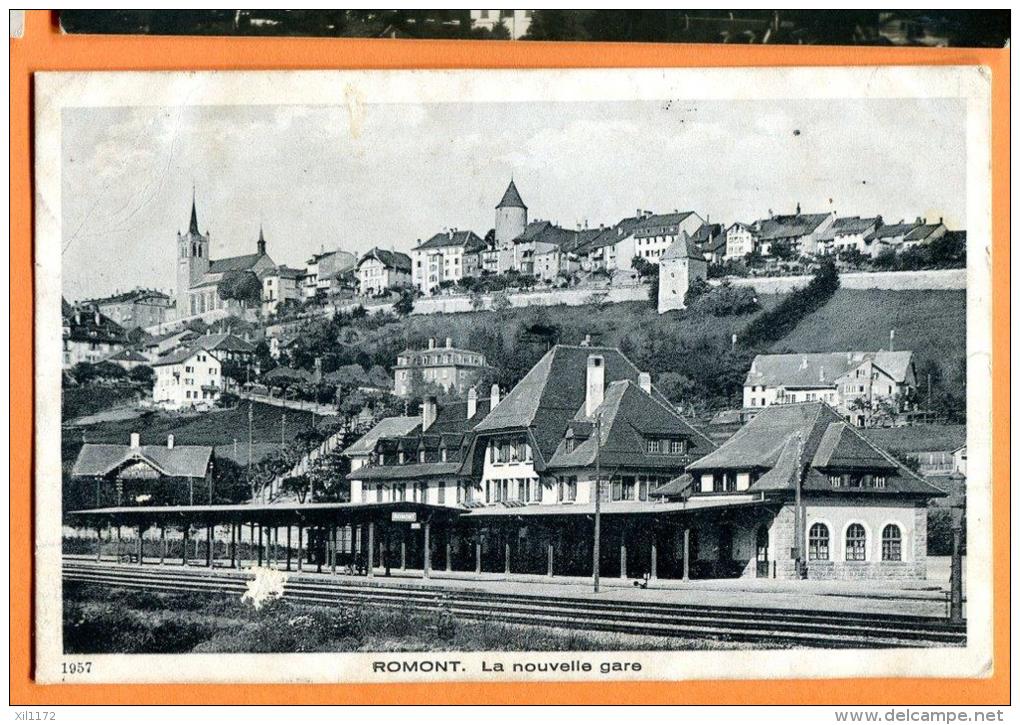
{"x":507,"y":484}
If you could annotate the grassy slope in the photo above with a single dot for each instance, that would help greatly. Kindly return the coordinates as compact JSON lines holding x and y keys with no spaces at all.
{"x":932,"y":323}
{"x":217,"y":428}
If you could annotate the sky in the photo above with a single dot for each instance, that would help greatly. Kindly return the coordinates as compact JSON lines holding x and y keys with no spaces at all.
{"x":317,"y":177}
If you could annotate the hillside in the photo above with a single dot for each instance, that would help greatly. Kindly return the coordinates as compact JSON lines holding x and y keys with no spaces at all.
{"x":218,"y":427}
{"x":932,"y":323}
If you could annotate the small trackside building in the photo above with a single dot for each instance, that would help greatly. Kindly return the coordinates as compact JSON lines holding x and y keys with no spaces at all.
{"x":864,"y":515}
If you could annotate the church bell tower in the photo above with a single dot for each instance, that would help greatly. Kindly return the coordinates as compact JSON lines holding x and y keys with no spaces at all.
{"x":192,"y":261}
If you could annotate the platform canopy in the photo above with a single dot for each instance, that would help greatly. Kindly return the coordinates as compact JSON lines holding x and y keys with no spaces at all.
{"x":280,"y":514}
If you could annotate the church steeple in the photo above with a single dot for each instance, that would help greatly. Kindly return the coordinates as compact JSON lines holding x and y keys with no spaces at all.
{"x":261,"y":242}
{"x":193,"y":227}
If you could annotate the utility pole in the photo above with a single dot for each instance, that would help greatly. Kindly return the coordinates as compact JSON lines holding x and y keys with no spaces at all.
{"x":596,"y":554}
{"x":799,"y":513}
{"x":251,"y":435}
{"x":956,"y":566}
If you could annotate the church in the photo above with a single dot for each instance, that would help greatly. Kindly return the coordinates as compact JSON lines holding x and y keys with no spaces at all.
{"x":198,"y":276}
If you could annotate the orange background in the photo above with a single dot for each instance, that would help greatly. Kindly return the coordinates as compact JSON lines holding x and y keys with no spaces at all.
{"x":44,"y":48}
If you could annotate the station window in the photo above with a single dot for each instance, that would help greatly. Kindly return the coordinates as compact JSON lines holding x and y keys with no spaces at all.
{"x":818,"y":543}
{"x":856,"y":543}
{"x":892,"y":543}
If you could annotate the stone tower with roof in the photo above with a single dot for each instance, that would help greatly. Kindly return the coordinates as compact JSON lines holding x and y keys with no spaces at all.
{"x":192,"y":260}
{"x":679,"y":266}
{"x":511,"y":219}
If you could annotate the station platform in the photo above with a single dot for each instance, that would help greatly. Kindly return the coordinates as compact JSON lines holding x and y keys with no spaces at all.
{"x":917,"y":598}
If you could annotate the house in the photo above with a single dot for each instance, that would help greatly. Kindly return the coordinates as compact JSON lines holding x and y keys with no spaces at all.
{"x":418,"y":459}
{"x":448,"y":256}
{"x":449,"y":368}
{"x":578,"y":408}
{"x":189,"y":378}
{"x":796,"y":232}
{"x":863,"y":514}
{"x":159,"y":345}
{"x":656,"y":232}
{"x":904,"y":235}
{"x":923,"y":233}
{"x":136,"y":474}
{"x":199,"y":276}
{"x":516,"y":22}
{"x":682,"y":263}
{"x":554,"y":253}
{"x":228,"y":348}
{"x":614,"y":248}
{"x":741,"y":240}
{"x":281,"y":286}
{"x":89,"y":336}
{"x":710,"y":241}
{"x":320,"y":279}
{"x":137,"y":308}
{"x":863,"y":386}
{"x":848,"y":233}
{"x":128,"y":359}
{"x":541,"y":238}
{"x":938,"y":450}
{"x":380,"y":270}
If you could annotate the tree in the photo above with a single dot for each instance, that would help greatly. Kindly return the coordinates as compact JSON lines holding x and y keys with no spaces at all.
{"x":143,"y":374}
{"x":243,"y":286}
{"x":107,"y":370}
{"x":643,"y":267}
{"x":501,"y":302}
{"x":405,"y":305}
{"x":696,"y":289}
{"x":83,"y":373}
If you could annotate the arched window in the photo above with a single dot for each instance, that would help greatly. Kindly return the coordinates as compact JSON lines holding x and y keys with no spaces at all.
{"x":818,"y":543}
{"x":856,"y":543}
{"x":892,"y":543}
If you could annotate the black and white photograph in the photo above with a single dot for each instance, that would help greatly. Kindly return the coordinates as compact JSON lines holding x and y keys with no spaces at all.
{"x":658,"y":374}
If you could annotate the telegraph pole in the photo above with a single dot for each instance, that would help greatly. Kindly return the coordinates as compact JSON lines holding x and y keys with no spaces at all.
{"x":596,"y":554}
{"x":251,"y":435}
{"x":799,"y":513}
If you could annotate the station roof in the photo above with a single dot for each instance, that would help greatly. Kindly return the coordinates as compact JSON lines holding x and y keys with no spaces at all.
{"x":280,"y":514}
{"x":617,"y":507}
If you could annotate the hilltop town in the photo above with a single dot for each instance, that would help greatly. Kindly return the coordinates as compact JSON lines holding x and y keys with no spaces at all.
{"x":288,"y":380}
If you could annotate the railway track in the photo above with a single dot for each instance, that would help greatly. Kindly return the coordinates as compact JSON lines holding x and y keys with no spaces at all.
{"x":759,"y":625}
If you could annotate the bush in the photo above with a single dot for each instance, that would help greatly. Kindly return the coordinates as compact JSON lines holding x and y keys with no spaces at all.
{"x":727,"y":299}
{"x":696,"y":289}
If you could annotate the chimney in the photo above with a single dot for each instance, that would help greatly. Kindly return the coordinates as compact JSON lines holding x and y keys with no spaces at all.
{"x":135,"y":441}
{"x":821,"y":374}
{"x":428,"y":412}
{"x":892,"y":339}
{"x":449,"y":342}
{"x":940,"y":220}
{"x":472,"y":404}
{"x":170,"y":441}
{"x":432,"y":343}
{"x":494,"y":396}
{"x":595,"y":384}
{"x":645,"y":381}
{"x":586,"y":342}
{"x":798,"y":208}
{"x":803,"y":363}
